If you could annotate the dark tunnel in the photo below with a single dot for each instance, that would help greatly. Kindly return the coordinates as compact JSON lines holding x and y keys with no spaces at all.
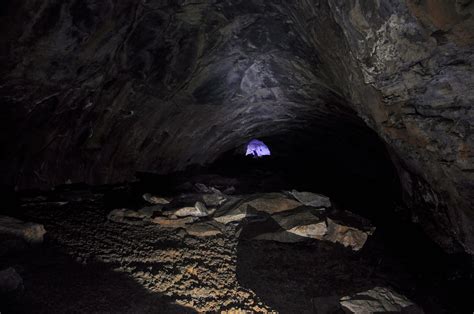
{"x":128,"y":184}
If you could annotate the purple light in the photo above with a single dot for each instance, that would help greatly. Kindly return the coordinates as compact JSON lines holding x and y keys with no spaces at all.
{"x":257,"y":148}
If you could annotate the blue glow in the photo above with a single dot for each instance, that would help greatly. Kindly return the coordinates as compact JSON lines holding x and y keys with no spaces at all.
{"x":257,"y":148}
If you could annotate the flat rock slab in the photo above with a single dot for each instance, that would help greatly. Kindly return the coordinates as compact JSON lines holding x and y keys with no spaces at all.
{"x":272,"y":203}
{"x":307,"y":223}
{"x":254,"y":206}
{"x":204,"y":229}
{"x":29,"y":231}
{"x":173,"y":223}
{"x":199,"y":210}
{"x":379,"y":300}
{"x":312,"y":199}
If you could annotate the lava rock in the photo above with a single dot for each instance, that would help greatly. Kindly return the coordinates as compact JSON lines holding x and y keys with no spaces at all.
{"x":156,"y":200}
{"x":311,"y":199}
{"x":28,"y":231}
{"x":10,"y":281}
{"x":199,"y":210}
{"x":127,"y":216}
{"x":379,"y":300}
{"x":205,"y":229}
{"x":173,"y":223}
{"x":305,"y":223}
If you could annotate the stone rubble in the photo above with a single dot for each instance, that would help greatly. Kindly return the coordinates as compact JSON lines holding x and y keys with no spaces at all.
{"x":268,"y":216}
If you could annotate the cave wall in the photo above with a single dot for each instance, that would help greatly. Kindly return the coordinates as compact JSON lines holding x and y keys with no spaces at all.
{"x":94,"y":90}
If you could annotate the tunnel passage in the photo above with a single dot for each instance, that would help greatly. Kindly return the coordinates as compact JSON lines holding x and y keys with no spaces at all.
{"x":368,"y":102}
{"x":342,"y":158}
{"x":96,"y":91}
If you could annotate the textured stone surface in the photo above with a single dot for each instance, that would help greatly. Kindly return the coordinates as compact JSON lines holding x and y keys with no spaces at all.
{"x":312,"y":199}
{"x":94,"y":91}
{"x":10,"y":281}
{"x":379,"y":300}
{"x":28,"y":231}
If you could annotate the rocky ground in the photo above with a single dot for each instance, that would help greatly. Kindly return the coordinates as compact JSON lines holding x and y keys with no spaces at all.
{"x":203,"y":250}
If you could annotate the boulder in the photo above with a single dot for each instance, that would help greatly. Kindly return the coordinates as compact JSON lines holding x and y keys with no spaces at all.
{"x":379,"y":300}
{"x":312,"y":199}
{"x":28,"y":231}
{"x":155,"y":200}
{"x":10,"y":281}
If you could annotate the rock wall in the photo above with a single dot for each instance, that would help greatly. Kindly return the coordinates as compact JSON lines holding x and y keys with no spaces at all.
{"x":96,"y":90}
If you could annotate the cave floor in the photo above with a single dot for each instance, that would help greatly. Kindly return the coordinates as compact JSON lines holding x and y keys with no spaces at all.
{"x":89,"y":264}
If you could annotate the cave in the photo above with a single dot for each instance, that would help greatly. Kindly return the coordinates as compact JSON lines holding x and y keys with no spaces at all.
{"x":236,"y":156}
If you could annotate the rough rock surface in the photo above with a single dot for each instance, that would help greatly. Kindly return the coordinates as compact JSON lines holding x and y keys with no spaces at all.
{"x":10,"y":281}
{"x":299,"y":225}
{"x":156,"y":200}
{"x":28,"y":231}
{"x":379,"y":300}
{"x":312,"y":199}
{"x":149,"y":268}
{"x":94,"y":91}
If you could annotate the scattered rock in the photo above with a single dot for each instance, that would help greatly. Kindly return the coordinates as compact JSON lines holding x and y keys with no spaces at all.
{"x":300,"y":224}
{"x":312,"y":199}
{"x":127,"y":216}
{"x":345,"y":235}
{"x":348,"y":229}
{"x":10,"y":281}
{"x":379,"y":300}
{"x":235,"y":214}
{"x":205,"y":229}
{"x":149,"y":211}
{"x":272,"y":203}
{"x":155,"y":200}
{"x":214,"y":200}
{"x":173,"y":223}
{"x":295,"y":226}
{"x":199,"y":210}
{"x":202,"y":188}
{"x":30,"y":232}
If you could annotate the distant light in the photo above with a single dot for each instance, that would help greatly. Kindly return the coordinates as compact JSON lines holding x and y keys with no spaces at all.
{"x":257,"y":148}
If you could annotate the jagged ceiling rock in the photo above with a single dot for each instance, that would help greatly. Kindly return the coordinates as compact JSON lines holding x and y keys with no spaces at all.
{"x":96,"y":90}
